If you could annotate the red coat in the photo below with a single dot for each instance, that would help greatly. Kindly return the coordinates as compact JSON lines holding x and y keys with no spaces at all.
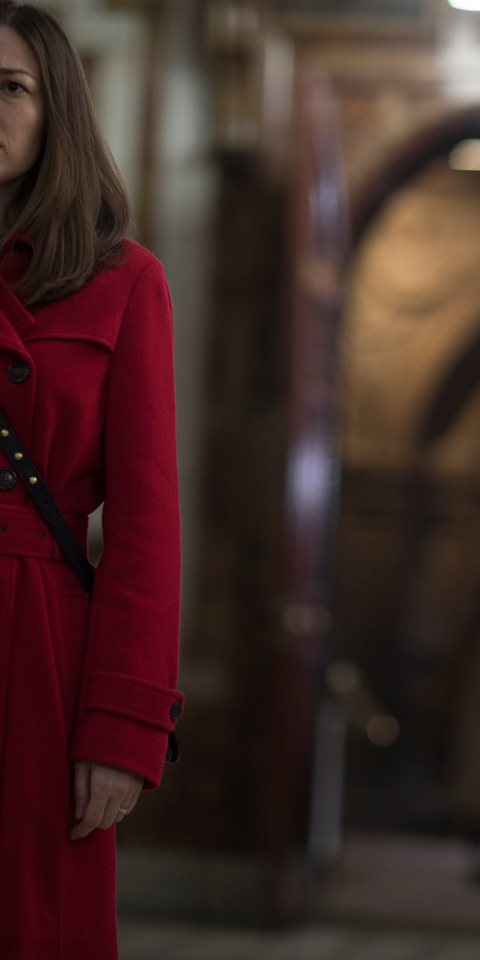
{"x":87,"y":383}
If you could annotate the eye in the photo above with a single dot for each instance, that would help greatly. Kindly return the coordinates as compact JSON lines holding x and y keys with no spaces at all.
{"x":13,"y":87}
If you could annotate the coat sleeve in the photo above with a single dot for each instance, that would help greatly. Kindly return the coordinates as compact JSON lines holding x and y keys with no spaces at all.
{"x":128,"y":700}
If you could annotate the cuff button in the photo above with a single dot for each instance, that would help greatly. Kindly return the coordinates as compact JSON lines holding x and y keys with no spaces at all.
{"x":175,"y":710}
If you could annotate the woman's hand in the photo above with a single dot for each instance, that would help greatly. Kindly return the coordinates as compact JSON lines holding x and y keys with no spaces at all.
{"x":103,"y":795}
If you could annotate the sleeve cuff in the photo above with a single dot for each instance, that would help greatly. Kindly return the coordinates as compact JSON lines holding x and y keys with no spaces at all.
{"x":133,"y":697}
{"x":125,"y":722}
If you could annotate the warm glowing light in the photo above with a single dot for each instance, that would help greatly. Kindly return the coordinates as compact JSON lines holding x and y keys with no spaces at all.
{"x":383,"y":730}
{"x":465,"y":4}
{"x":466,"y":155}
{"x":343,"y":678}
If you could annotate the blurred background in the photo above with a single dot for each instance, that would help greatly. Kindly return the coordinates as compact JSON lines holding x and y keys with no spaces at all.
{"x":308,"y":171}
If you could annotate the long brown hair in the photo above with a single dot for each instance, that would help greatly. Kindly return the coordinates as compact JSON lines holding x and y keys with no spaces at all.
{"x":73,"y":203}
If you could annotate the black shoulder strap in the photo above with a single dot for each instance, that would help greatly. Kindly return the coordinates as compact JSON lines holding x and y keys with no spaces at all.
{"x":51,"y":513}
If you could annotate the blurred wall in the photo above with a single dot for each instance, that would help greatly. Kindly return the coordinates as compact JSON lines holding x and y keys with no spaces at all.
{"x":190,"y":107}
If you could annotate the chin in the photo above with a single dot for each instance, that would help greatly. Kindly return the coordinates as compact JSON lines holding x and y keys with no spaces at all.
{"x":9,"y":180}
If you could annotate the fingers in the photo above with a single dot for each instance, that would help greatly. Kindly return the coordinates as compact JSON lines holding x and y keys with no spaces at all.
{"x":91,"y":819}
{"x":130,"y":801}
{"x":112,"y":814}
{"x":116,"y":810}
{"x":81,"y":788}
{"x":127,"y":807}
{"x":100,"y":792}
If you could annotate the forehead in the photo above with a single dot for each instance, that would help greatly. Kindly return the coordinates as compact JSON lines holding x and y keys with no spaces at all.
{"x":15,"y":52}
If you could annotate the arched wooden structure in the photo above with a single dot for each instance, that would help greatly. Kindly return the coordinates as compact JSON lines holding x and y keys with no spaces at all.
{"x":424,"y":143}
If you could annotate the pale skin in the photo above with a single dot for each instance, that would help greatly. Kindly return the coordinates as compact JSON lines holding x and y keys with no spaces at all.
{"x":103,"y":794}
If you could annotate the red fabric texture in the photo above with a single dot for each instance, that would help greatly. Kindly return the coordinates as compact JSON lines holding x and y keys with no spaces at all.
{"x":84,"y":677}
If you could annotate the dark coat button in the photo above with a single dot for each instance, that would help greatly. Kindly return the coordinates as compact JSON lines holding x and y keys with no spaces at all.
{"x":18,"y":371}
{"x":175,"y":710}
{"x":7,"y":479}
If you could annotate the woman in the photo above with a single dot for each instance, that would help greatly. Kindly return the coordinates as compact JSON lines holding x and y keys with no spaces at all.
{"x":87,"y":681}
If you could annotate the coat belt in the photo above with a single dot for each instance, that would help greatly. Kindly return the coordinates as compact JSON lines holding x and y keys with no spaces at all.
{"x":24,"y":533}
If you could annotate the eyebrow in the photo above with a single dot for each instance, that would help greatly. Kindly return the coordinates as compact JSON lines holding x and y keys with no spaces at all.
{"x":6,"y":70}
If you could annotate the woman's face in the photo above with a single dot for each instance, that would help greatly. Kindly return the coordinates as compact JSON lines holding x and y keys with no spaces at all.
{"x":21,"y":106}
